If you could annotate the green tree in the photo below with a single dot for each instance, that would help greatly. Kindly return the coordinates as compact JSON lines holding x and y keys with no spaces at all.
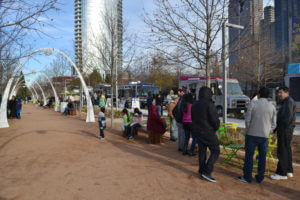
{"x":22,"y":89}
{"x":94,"y":78}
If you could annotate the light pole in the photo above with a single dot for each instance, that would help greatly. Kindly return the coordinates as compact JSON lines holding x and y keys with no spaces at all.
{"x":225,"y":67}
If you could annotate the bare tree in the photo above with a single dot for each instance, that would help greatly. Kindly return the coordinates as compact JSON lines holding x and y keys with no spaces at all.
{"x":188,"y":27}
{"x":17,"y":19}
{"x":107,"y":49}
{"x":259,"y":65}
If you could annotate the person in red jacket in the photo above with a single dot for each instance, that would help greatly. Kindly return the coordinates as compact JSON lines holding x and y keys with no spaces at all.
{"x":155,"y":123}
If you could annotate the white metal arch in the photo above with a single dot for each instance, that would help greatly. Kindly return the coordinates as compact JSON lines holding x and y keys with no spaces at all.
{"x":44,"y":97}
{"x":3,"y":109}
{"x":37,"y":95}
{"x":54,"y":91}
{"x":32,"y":93}
{"x":14,"y":90}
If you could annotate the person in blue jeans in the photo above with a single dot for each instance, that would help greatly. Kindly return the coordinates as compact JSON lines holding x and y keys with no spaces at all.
{"x":260,"y":121}
{"x":187,"y":124}
{"x":18,"y":108}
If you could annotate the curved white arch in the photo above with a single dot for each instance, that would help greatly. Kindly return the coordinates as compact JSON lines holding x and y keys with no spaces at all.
{"x":54,"y":91}
{"x":37,"y":95}
{"x":3,"y":109}
{"x":32,"y":93}
{"x":15,"y":89}
{"x":44,"y":97}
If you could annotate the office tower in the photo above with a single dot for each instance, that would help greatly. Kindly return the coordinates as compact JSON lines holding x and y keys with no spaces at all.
{"x":268,"y":28}
{"x":269,"y":14}
{"x":248,"y":14}
{"x":94,"y":31}
{"x":287,"y":13}
{"x":78,"y":34}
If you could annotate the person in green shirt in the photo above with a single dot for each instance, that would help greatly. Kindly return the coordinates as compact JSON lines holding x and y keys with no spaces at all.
{"x":127,"y":120}
{"x":102,"y":101}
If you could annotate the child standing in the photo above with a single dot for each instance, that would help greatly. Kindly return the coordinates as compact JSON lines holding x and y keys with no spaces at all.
{"x":102,"y":122}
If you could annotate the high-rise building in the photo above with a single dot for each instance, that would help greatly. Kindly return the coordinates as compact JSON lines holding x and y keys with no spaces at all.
{"x":247,"y":13}
{"x":287,"y":13}
{"x":284,"y":11}
{"x":78,"y":34}
{"x":267,"y":32}
{"x":92,"y":31}
{"x":269,"y":15}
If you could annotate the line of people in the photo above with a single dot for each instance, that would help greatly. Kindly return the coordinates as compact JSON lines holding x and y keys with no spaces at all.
{"x":200,"y":120}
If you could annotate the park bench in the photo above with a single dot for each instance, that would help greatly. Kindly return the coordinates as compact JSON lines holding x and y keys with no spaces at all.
{"x":153,"y":138}
{"x":72,"y":112}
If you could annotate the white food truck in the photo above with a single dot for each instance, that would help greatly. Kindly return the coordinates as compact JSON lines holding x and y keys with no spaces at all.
{"x":236,"y":100}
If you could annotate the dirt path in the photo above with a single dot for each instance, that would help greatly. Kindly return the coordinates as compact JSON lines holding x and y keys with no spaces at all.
{"x":49,"y":156}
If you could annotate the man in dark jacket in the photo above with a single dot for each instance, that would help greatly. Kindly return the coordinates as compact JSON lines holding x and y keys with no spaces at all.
{"x":286,"y":120}
{"x":205,"y":124}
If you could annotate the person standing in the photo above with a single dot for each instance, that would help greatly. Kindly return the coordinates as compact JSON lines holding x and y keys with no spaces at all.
{"x":177,"y":113}
{"x":159,"y":104}
{"x":18,"y":108}
{"x":187,"y":124}
{"x":149,"y":101}
{"x":286,"y":120}
{"x":102,"y":101}
{"x":260,"y":121}
{"x":205,"y":123}
{"x":173,"y":125}
{"x":169,"y":96}
{"x":13,"y":107}
{"x":102,"y":123}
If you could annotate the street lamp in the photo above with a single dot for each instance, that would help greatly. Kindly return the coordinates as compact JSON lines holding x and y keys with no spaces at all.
{"x":224,"y":54}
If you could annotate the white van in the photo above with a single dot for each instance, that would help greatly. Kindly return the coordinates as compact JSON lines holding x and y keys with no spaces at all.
{"x":236,"y":100}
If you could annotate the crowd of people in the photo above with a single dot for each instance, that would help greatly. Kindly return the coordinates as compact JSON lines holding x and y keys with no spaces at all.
{"x":199,"y":119}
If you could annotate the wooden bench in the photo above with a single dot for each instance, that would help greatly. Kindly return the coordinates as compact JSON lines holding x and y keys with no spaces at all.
{"x":153,"y":138}
{"x":72,"y":112}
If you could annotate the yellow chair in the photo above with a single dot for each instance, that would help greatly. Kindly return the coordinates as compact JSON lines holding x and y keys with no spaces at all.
{"x":231,"y":146}
{"x":272,"y":146}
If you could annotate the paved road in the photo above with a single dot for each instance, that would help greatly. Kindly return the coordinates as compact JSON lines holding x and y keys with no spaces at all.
{"x":49,"y":156}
